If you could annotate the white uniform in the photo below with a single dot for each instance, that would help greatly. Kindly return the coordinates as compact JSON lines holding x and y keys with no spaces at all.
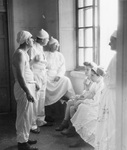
{"x":24,"y":107}
{"x":56,"y":67}
{"x":105,"y":133}
{"x":85,"y":118}
{"x":40,"y":75}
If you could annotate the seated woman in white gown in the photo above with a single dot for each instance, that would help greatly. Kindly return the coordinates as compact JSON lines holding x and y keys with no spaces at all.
{"x":85,"y":118}
{"x":88,"y":84}
{"x":58,"y":84}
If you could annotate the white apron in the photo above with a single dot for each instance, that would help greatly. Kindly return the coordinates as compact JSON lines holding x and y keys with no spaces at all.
{"x":56,"y":67}
{"x":40,"y":76}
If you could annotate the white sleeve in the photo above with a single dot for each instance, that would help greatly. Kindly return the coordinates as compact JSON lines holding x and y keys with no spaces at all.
{"x":61,"y":70}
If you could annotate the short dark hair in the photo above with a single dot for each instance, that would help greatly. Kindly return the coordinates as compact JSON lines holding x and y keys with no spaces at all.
{"x":99,"y":71}
{"x":86,"y":63}
{"x":38,"y":38}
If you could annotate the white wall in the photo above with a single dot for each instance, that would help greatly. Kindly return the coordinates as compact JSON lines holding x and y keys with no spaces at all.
{"x":32,"y":15}
{"x":67,"y":32}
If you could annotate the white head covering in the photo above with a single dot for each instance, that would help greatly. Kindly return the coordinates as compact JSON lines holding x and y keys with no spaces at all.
{"x":99,"y":70}
{"x":42,"y":34}
{"x":93,"y":64}
{"x":53,"y":41}
{"x":23,"y":36}
{"x":114,"y":34}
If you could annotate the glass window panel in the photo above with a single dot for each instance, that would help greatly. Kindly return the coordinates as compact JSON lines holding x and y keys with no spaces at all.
{"x":81,"y":56}
{"x":81,"y":37}
{"x":88,"y":17}
{"x":85,"y":37}
{"x":85,"y":17}
{"x":89,"y":31}
{"x":88,"y":2}
{"x":82,"y":3}
{"x":85,"y":54}
{"x":96,"y":17}
{"x":89,"y":37}
{"x":88,"y":54}
{"x":96,"y":2}
{"x":81,"y":18}
{"x":96,"y":37}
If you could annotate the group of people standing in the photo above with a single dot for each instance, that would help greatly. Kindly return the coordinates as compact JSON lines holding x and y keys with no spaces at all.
{"x":40,"y":81}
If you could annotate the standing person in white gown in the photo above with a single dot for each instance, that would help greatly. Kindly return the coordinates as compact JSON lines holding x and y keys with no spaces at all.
{"x":105,"y":133}
{"x":38,"y":66}
{"x":58,"y":84}
{"x":24,"y":90}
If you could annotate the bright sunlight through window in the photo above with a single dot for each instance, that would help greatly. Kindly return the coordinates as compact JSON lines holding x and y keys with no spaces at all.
{"x":108,"y":23}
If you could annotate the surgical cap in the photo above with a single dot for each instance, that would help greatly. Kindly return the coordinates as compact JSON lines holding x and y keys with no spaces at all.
{"x":53,"y":41}
{"x":23,"y":36}
{"x":42,"y":34}
{"x":99,"y":70}
{"x":114,"y":34}
{"x":90,"y":64}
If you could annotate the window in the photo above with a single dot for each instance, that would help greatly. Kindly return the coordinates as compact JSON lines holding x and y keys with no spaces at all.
{"x":87,"y":31}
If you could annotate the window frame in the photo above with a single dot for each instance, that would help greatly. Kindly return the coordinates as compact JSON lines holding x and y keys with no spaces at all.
{"x":96,"y":49}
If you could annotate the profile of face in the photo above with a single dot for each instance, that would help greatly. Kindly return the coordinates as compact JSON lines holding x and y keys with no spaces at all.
{"x":87,"y":70}
{"x":30,"y":42}
{"x":44,"y":41}
{"x":113,"y":43}
{"x":94,"y":76}
{"x":53,"y":47}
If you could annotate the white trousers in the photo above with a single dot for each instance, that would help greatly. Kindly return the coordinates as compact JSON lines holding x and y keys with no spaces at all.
{"x":39,"y":105}
{"x":24,"y":112}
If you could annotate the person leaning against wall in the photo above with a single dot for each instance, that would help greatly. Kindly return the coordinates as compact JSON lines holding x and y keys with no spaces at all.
{"x":38,"y":66}
{"x":106,"y":127}
{"x":24,"y":90}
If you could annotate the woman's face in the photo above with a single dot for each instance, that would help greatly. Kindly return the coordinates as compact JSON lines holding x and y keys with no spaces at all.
{"x":87,"y":70}
{"x":113,"y":43}
{"x":30,"y":41}
{"x":94,"y":77}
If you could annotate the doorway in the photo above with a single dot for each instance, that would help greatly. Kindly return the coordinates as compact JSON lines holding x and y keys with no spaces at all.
{"x":4,"y":60}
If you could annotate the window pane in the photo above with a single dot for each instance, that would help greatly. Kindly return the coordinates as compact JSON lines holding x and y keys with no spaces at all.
{"x":85,"y":37}
{"x":81,"y":37}
{"x":82,"y":3}
{"x":96,"y":37}
{"x":81,"y":18}
{"x":88,"y":54}
{"x":96,"y":17}
{"x":81,"y":56}
{"x":88,"y":2}
{"x":85,"y":17}
{"x":88,"y":17}
{"x":89,"y":37}
{"x":96,"y":2}
{"x":85,"y":55}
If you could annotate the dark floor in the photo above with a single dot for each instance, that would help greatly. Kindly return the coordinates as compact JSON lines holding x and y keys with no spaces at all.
{"x":48,"y":139}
